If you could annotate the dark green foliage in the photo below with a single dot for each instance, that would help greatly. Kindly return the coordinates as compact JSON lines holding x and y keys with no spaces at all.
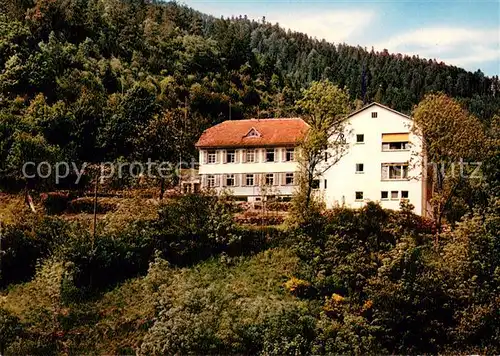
{"x":373,"y":281}
{"x":90,"y":80}
{"x":394,"y":290}
{"x":195,"y":226}
{"x":10,"y":329}
{"x":342,"y":248}
{"x":188,"y":230}
{"x":108,"y":259}
{"x":24,"y":244}
{"x":55,"y":202}
{"x":86,"y":205}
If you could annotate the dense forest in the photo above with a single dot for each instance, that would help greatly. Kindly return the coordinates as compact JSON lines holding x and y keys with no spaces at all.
{"x":94,"y":80}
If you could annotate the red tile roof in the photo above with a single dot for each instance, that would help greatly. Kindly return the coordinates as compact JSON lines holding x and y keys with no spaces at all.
{"x":273,"y":132}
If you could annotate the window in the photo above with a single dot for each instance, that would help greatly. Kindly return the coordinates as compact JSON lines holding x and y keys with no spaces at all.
{"x":230,"y":180}
{"x":230,"y":156}
{"x":253,"y":133}
{"x":360,"y":168}
{"x":270,"y":155}
{"x":326,"y":156}
{"x":249,"y":180}
{"x":290,"y":155}
{"x":270,"y":179}
{"x":359,"y":196}
{"x":374,"y":115}
{"x":384,"y":195}
{"x":325,"y":184}
{"x":315,"y":184}
{"x":394,"y":195}
{"x":250,"y":156}
{"x":212,"y":156}
{"x":394,"y":171}
{"x":360,"y":138}
{"x":289,"y":179}
{"x":395,"y":146}
{"x":404,"y":194}
{"x":211,"y":181}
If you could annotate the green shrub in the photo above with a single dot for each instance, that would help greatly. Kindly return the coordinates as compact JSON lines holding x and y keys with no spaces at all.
{"x":278,"y":206}
{"x":10,"y":329}
{"x":100,"y":263}
{"x":86,"y":205}
{"x":193,"y":227}
{"x":26,"y":242}
{"x":55,"y":202}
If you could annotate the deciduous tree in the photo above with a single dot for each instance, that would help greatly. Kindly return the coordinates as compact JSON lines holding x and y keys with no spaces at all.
{"x":324,"y":107}
{"x":453,"y":141}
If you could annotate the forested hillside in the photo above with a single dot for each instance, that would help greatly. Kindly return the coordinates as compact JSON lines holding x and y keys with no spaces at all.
{"x":89,"y":80}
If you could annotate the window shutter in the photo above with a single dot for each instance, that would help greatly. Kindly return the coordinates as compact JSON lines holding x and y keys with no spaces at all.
{"x":224,"y":177}
{"x":276,"y":155}
{"x":283,"y":154}
{"x":236,"y":180}
{"x":217,"y":156}
{"x":205,"y":157}
{"x":204,"y":180}
{"x":224,"y":156}
{"x":243,"y":156}
{"x":237,"y":156}
{"x":385,"y":172}
{"x":281,"y":177}
{"x":275,"y":178}
{"x":263,"y":153}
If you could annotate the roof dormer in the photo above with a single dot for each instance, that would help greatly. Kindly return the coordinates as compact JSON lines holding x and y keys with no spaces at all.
{"x":253,"y":133}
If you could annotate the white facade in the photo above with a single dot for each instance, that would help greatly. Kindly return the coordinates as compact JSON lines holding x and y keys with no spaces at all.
{"x":275,"y":177}
{"x":361,"y":175}
{"x":382,"y":164}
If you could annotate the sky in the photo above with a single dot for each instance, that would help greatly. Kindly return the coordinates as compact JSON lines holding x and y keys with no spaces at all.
{"x":461,"y":33}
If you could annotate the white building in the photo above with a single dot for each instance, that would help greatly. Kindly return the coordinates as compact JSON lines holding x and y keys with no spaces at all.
{"x":382,"y":163}
{"x":253,"y":158}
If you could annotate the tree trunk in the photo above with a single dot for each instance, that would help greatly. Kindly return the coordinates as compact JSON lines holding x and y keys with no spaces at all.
{"x":309,"y":189}
{"x":162,"y":188}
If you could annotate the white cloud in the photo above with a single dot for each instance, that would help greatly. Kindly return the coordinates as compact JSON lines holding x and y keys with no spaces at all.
{"x":334,"y":26}
{"x":464,"y":47}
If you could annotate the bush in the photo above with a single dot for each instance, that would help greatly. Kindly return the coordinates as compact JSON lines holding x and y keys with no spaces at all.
{"x":278,"y":206}
{"x":109,"y":259}
{"x":253,"y":240}
{"x":257,"y":218}
{"x":24,"y":243}
{"x":86,"y":205}
{"x":10,"y":329}
{"x":55,"y":202}
{"x":194,"y":227}
{"x":345,"y":247}
{"x":298,"y":287}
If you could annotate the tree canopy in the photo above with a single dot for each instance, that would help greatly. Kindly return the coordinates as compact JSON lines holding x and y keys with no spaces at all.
{"x":87,"y":78}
